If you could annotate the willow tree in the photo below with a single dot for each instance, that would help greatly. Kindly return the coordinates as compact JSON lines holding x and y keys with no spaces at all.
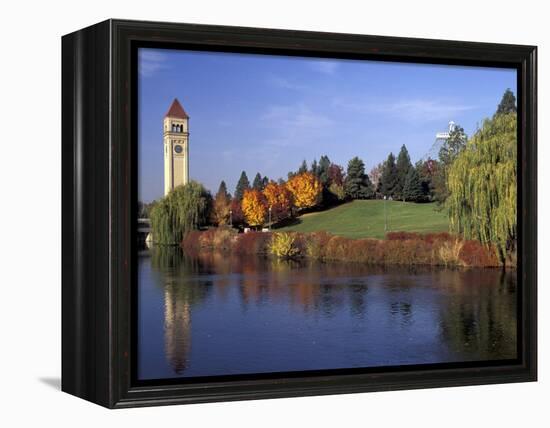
{"x":182,"y":210}
{"x":482,"y":183}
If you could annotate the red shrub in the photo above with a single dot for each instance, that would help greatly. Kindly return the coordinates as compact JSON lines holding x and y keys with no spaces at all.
{"x":191,"y":242}
{"x":252,"y":243}
{"x":401,"y":236}
{"x":403,"y":248}
{"x":475,"y":254}
{"x":438,"y":237}
{"x":316,"y":244}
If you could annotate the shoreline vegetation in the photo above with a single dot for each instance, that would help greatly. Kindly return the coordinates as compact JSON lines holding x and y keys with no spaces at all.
{"x":325,"y":212}
{"x":399,"y":248}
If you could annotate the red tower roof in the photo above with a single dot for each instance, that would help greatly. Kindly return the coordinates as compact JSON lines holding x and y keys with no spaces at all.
{"x":176,"y":110}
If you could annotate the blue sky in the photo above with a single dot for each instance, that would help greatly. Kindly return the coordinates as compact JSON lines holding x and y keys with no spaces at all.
{"x":266,"y":114}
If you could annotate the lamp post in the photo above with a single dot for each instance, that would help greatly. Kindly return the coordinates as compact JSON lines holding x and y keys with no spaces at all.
{"x":385,"y":215}
{"x":269,"y":218}
{"x":231,"y":218}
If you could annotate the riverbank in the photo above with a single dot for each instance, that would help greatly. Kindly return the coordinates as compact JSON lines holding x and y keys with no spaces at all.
{"x":399,"y":248}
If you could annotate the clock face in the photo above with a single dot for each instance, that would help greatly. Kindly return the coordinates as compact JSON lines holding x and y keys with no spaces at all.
{"x":178,"y":148}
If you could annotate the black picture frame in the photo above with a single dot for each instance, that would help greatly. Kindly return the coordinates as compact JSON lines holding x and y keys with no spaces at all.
{"x":98,"y":210}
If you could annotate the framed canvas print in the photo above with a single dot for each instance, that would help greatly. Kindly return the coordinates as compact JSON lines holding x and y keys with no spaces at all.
{"x":253,"y":213}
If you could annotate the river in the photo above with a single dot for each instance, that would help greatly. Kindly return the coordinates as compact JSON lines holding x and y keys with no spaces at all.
{"x":217,"y":314}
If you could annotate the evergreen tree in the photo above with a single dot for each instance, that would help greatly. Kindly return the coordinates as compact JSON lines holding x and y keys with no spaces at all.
{"x":448,"y":152}
{"x":323,"y":169}
{"x":222,"y":190}
{"x":413,"y":191}
{"x":303,"y":167}
{"x":452,"y":146}
{"x":242,"y":185}
{"x":388,"y":180}
{"x":315,"y":168}
{"x":427,"y":171}
{"x":357,"y":184}
{"x":507,"y":103}
{"x":403,"y":166}
{"x":258,"y":183}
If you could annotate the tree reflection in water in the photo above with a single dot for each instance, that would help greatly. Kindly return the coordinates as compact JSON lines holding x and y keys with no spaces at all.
{"x":371,"y":315}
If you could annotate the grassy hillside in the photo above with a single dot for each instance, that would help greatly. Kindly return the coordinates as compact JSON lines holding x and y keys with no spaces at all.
{"x":365,"y":219}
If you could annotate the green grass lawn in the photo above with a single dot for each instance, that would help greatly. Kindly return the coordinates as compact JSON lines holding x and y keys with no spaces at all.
{"x":365,"y":219}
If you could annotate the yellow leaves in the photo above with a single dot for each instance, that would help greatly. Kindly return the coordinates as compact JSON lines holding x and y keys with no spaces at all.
{"x":279,"y":198}
{"x":221,"y":207}
{"x":254,"y":207}
{"x":306,"y":190}
{"x":283,"y":244}
{"x":301,"y":191}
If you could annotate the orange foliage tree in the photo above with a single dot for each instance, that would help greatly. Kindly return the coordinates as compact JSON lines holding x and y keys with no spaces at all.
{"x":236,"y":212}
{"x":306,"y":190}
{"x":221,"y":206}
{"x":254,"y":207}
{"x":279,"y":198}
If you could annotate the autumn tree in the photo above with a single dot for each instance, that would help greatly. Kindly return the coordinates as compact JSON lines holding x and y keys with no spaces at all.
{"x":333,"y":189}
{"x":357,"y":184}
{"x":279,"y":198}
{"x":242,"y":185}
{"x":336,"y":174}
{"x":221,"y":205}
{"x":337,"y":193}
{"x":305,"y":189}
{"x":375,"y":174}
{"x":254,"y":207}
{"x":236,"y":215}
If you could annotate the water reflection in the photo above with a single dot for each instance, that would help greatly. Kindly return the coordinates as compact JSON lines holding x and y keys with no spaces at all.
{"x":222,"y":314}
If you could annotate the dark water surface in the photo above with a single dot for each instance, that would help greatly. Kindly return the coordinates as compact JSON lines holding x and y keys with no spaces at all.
{"x":221,"y":315}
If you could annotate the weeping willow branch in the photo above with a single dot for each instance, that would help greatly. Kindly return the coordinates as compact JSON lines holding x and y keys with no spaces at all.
{"x":482,"y":182}
{"x":182,"y":210}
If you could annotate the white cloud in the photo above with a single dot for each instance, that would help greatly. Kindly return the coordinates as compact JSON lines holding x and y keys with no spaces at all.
{"x":284,"y":83}
{"x":294,"y":124}
{"x":151,"y":62}
{"x":324,"y":66}
{"x":423,"y":110}
{"x":412,"y":110}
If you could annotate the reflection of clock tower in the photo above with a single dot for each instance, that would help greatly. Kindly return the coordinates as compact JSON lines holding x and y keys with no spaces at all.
{"x":176,"y":147}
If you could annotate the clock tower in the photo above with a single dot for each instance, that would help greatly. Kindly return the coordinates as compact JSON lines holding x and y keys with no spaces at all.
{"x":176,"y":147}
